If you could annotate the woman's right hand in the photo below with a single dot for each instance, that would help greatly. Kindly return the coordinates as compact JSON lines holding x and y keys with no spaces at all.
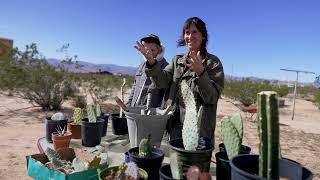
{"x":146,"y":52}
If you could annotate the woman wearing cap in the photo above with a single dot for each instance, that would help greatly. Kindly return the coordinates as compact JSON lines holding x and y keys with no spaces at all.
{"x":202,"y":71}
{"x":143,"y":92}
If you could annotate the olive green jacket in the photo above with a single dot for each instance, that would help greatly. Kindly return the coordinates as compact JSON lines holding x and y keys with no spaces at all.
{"x":207,"y":88}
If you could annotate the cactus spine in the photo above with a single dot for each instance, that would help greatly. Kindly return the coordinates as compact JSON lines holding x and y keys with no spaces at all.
{"x":190,"y":129}
{"x":77,"y":115}
{"x":232,"y":134}
{"x":145,"y":149}
{"x":58,"y":116}
{"x":91,"y":113}
{"x":268,"y":127}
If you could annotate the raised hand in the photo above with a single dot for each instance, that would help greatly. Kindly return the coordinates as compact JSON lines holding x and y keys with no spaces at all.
{"x":145,"y":52}
{"x":195,"y":63}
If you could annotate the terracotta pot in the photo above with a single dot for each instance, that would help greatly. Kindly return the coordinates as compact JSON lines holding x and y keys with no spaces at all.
{"x":75,"y":130}
{"x":61,"y":141}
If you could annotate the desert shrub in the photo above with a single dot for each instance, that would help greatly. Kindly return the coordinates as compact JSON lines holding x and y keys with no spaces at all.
{"x":246,"y":90}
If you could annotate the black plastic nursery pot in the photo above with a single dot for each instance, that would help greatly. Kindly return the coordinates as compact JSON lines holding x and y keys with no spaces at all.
{"x":105,"y":117}
{"x":119,"y":125}
{"x":179,"y":157}
{"x":243,"y":149}
{"x":223,"y":169}
{"x":91,"y":132}
{"x":246,"y":166}
{"x":150,"y":165}
{"x":52,"y":125}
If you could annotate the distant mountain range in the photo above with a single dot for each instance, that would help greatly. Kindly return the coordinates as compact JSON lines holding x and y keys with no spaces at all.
{"x":91,"y":67}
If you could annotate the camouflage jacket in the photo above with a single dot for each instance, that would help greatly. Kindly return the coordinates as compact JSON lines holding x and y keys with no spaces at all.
{"x":207,"y":88}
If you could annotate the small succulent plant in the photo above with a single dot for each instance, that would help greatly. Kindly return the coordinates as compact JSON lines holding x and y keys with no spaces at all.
{"x":145,"y":149}
{"x":132,"y":170}
{"x":58,"y":116}
{"x":61,"y":130}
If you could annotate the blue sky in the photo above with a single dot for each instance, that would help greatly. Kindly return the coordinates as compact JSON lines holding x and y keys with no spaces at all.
{"x":252,"y":38}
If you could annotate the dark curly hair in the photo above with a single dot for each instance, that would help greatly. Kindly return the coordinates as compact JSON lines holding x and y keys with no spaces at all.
{"x":201,"y":26}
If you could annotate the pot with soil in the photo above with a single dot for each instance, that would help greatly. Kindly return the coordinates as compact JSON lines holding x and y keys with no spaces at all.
{"x":122,"y":172}
{"x":52,"y":123}
{"x":91,"y":128}
{"x":141,"y":124}
{"x":61,"y":138}
{"x":231,"y":135}
{"x":148,"y":158}
{"x":75,"y":125}
{"x":268,"y":164}
{"x":105,"y":117}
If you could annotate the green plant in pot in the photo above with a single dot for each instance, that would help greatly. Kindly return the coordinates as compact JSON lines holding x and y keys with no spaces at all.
{"x":61,"y":138}
{"x":52,"y":123}
{"x":191,"y":149}
{"x":91,"y":128}
{"x":268,"y":163}
{"x":75,"y":126}
{"x":146,"y":157}
{"x":231,"y":135}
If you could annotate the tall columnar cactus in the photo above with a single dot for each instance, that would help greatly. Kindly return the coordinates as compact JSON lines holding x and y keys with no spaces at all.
{"x":91,"y":113}
{"x":98,"y":110}
{"x":190,"y":129}
{"x":145,"y":149}
{"x":77,"y":115}
{"x":122,"y":95}
{"x":268,"y":127}
{"x":232,"y":134}
{"x":58,"y":116}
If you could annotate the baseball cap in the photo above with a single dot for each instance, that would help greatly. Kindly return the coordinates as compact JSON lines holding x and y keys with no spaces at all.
{"x":151,"y":38}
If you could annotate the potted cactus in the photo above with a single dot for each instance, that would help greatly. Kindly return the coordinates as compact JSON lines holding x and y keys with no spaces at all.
{"x":119,"y":121}
{"x":52,"y":123}
{"x":231,"y":135}
{"x":147,"y":157}
{"x":104,"y":117}
{"x":122,"y":172}
{"x":61,"y":138}
{"x":268,"y":164}
{"x":91,"y":128}
{"x":191,"y":149}
{"x":75,"y":126}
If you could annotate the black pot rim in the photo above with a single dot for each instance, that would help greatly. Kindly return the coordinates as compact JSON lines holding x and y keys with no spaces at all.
{"x":189,"y":151}
{"x":85,"y":120}
{"x":219,"y":154}
{"x":240,"y":171}
{"x":158,"y":153}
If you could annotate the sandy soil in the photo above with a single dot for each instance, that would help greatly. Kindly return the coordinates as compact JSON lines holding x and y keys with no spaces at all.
{"x":21,"y":125}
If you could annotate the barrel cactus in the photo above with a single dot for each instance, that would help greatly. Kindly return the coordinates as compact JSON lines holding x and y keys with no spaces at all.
{"x":190,"y":129}
{"x":232,"y":134}
{"x":77,"y":115}
{"x":145,"y":149}
{"x":58,"y":116}
{"x":91,"y":113}
{"x":268,"y":127}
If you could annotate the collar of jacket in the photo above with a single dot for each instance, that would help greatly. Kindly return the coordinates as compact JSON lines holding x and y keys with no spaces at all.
{"x":184,"y":58}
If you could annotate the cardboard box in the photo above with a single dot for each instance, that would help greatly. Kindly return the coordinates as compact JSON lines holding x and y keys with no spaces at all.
{"x":37,"y":170}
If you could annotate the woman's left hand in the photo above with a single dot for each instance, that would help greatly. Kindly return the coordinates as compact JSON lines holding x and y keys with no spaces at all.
{"x":195,"y":63}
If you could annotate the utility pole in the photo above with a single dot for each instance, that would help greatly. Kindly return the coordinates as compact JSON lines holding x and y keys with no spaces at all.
{"x":295,"y":86}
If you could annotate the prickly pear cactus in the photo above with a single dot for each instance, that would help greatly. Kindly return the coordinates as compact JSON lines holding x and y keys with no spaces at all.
{"x":145,"y":149}
{"x":236,"y":120}
{"x":268,"y":128}
{"x":98,"y":110}
{"x":58,"y":116}
{"x":190,"y":129}
{"x":77,"y":115}
{"x":91,"y":113}
{"x":230,"y":137}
